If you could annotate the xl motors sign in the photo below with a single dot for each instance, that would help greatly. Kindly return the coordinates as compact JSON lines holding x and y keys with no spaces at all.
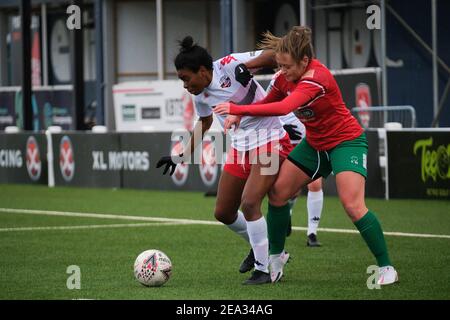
{"x":92,"y":160}
{"x":419,"y":164}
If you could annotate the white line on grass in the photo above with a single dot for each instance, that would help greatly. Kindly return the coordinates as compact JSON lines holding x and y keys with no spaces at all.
{"x":105,"y":216}
{"x":387,"y":233}
{"x":93,"y":226}
{"x":192,"y":221}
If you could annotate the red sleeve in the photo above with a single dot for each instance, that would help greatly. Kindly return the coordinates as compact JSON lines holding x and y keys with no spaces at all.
{"x":304,"y":93}
{"x":274,"y":95}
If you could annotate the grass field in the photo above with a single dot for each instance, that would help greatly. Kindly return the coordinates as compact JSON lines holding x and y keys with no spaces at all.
{"x":36,"y":250}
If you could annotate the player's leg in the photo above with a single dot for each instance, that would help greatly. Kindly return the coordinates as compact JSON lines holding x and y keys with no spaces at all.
{"x":230,"y":188}
{"x":291,"y":203}
{"x":289,"y":181}
{"x":301,"y":164}
{"x":314,"y":204}
{"x":349,"y":164}
{"x":254,"y":192}
{"x":350,"y":186}
{"x":229,"y":193}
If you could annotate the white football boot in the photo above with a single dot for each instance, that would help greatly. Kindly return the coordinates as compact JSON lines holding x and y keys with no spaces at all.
{"x":387,"y":275}
{"x":277,"y":262}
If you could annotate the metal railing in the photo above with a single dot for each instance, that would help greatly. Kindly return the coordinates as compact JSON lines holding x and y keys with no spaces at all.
{"x":377,"y":117}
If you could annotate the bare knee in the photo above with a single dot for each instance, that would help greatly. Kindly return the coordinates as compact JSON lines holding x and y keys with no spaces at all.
{"x":355,"y":209}
{"x":251,"y":208}
{"x":224,"y":216}
{"x":315,"y":186}
{"x":278,"y":196}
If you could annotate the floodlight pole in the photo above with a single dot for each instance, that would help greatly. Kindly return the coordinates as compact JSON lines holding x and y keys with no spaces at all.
{"x":435,"y":70}
{"x":383,"y":53}
{"x":160,"y":38}
{"x":384,"y":86}
{"x":99,"y":83}
{"x":226,"y":19}
{"x":25,"y":23}
{"x":78,"y":71}
{"x":302,"y":5}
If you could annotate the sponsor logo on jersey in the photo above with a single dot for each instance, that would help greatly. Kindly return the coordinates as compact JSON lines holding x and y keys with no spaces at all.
{"x":208,"y":167}
{"x":33,"y":159}
{"x":304,"y":113}
{"x":66,"y":159}
{"x":181,"y":172}
{"x":227,"y":60}
{"x":225,"y":82}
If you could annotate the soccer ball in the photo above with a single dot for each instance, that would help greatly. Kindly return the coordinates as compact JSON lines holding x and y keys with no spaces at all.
{"x":152,"y":268}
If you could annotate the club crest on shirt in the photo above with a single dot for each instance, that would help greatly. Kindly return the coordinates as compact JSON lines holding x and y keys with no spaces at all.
{"x":225,"y":82}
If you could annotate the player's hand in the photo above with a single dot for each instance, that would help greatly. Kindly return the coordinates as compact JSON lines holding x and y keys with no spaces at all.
{"x":230,"y":121}
{"x":293,"y":132}
{"x":242,"y":75}
{"x":170,"y":162}
{"x":222,"y":108}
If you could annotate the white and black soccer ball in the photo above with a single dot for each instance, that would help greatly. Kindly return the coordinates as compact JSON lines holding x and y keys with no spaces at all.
{"x":152,"y":268}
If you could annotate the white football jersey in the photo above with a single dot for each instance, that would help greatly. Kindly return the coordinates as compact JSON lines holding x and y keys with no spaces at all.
{"x":252,"y":131}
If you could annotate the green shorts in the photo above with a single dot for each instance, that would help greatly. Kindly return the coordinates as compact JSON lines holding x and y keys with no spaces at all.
{"x":347,"y":156}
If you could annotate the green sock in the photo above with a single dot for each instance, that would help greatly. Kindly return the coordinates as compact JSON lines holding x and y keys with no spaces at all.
{"x":277,"y":224}
{"x":371,"y":231}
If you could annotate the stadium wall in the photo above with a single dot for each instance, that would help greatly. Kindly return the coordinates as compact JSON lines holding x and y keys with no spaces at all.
{"x":418,"y":162}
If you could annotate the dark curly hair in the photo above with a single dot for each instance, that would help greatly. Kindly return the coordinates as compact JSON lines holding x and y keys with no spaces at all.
{"x":192,"y":56}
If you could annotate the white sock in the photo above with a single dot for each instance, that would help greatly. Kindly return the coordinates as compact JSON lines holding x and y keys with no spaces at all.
{"x":314,"y":203}
{"x":239,"y":226}
{"x":257,"y":232}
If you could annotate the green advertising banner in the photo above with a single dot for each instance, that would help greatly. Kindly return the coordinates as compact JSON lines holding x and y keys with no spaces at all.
{"x":419,"y":164}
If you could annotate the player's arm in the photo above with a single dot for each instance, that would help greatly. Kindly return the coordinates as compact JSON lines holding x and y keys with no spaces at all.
{"x":201,"y":126}
{"x":274,"y":95}
{"x":264,"y":60}
{"x":304,"y":94}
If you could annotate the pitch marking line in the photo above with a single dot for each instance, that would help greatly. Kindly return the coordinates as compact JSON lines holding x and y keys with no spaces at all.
{"x":105,"y":216}
{"x":191,"y":221}
{"x":93,"y":226}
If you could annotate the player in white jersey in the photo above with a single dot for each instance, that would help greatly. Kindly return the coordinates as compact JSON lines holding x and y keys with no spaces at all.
{"x":297,"y":132}
{"x":245,"y":180}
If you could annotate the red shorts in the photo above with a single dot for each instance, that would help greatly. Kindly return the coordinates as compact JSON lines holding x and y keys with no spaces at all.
{"x":239,"y":163}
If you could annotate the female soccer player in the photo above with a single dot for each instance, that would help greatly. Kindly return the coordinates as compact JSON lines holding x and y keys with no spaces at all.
{"x":247,"y":177}
{"x":296,"y":131}
{"x":334,"y":142}
{"x":314,"y":199}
